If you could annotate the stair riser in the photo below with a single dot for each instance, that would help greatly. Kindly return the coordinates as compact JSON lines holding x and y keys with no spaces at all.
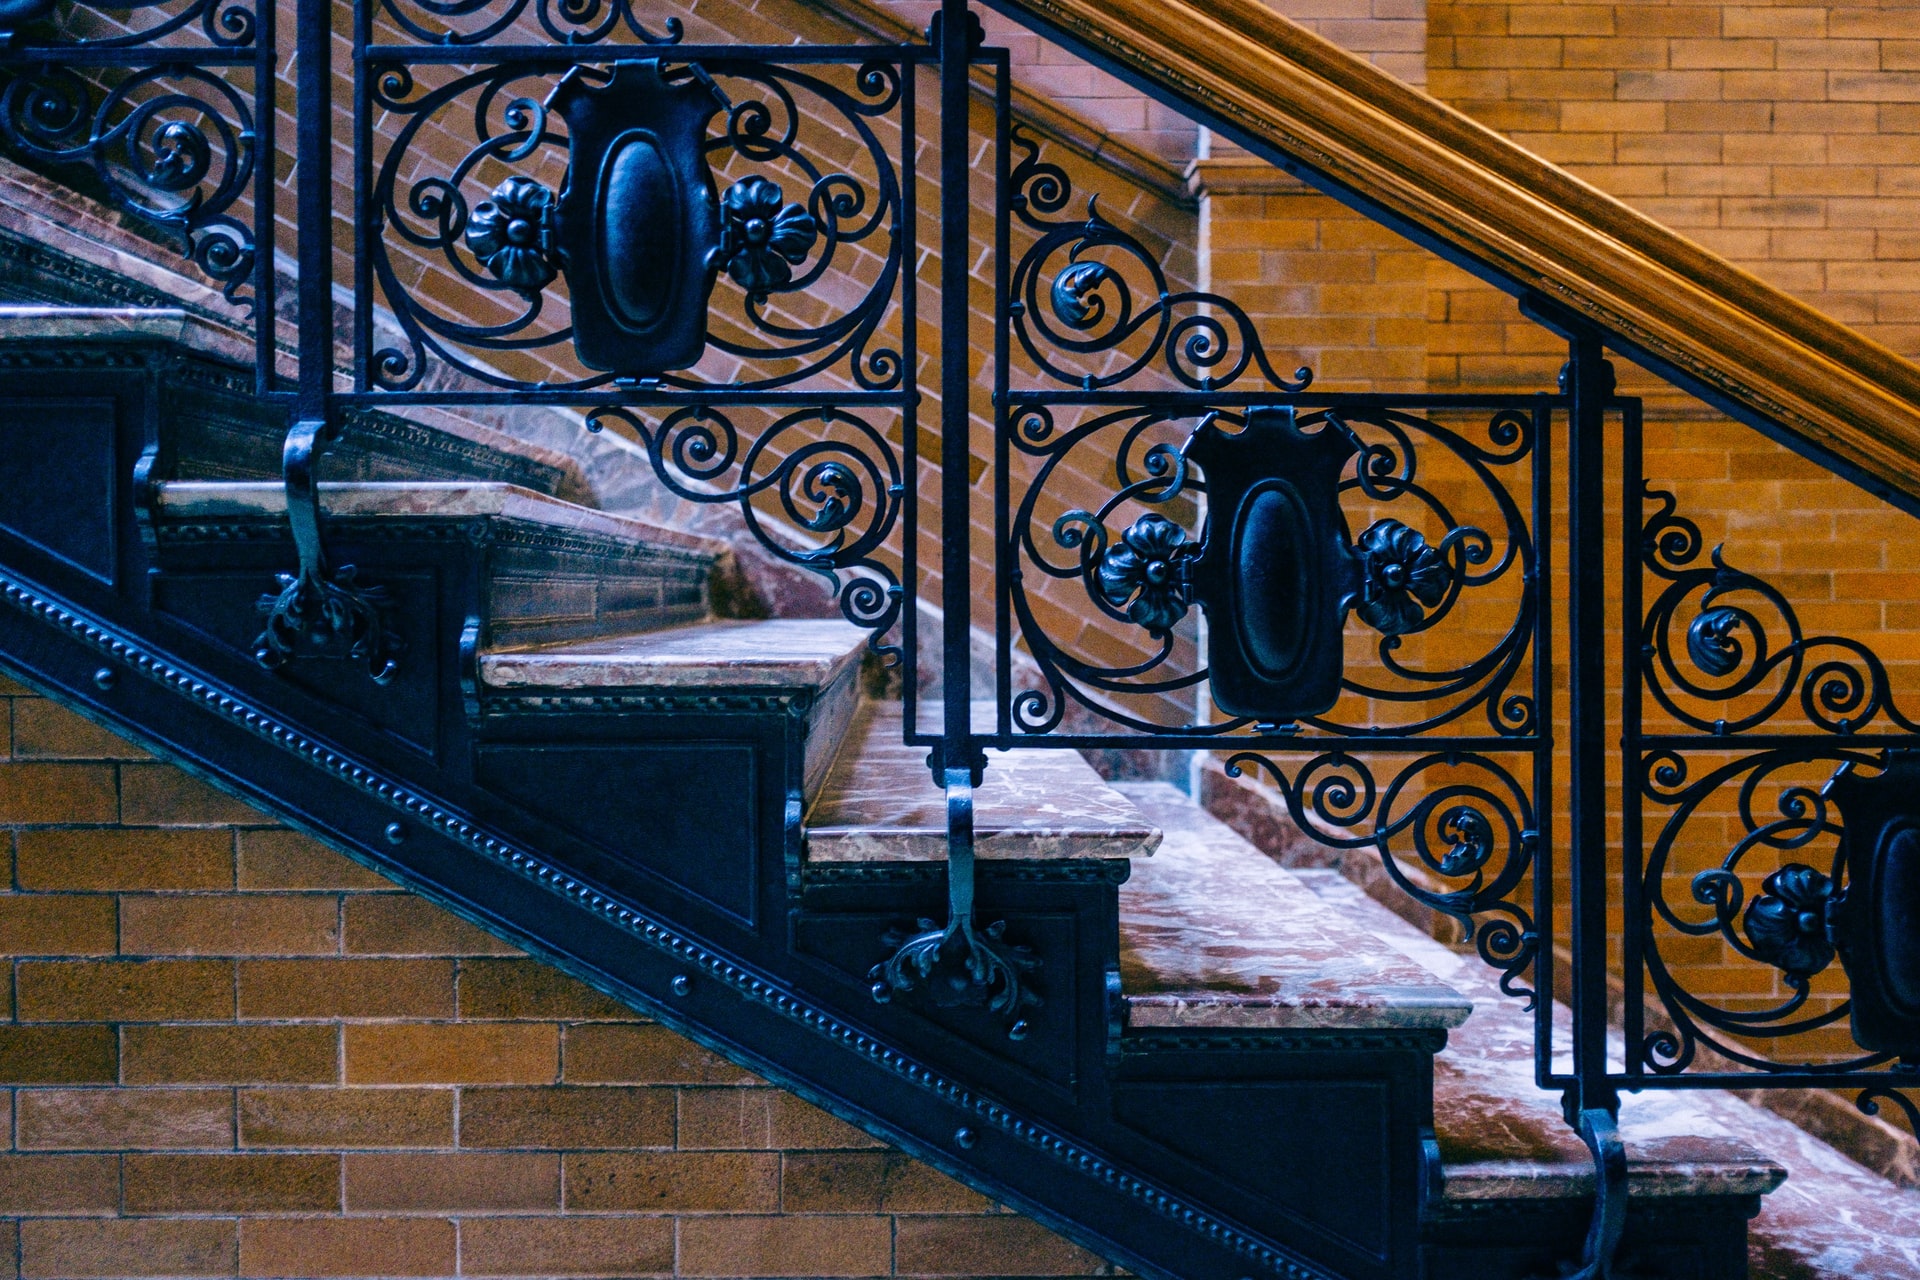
{"x":1677,"y":1238}
{"x":536,"y":585}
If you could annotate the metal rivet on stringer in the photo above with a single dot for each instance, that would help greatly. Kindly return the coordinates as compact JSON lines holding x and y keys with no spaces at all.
{"x":681,"y":984}
{"x":396,"y":834}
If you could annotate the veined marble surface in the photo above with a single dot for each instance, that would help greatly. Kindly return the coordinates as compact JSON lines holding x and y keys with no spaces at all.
{"x":783,"y":653}
{"x":880,"y":805}
{"x":124,"y":324}
{"x":440,"y":499}
{"x":1215,"y":934}
{"x":1502,"y":1136}
{"x":1831,"y":1219}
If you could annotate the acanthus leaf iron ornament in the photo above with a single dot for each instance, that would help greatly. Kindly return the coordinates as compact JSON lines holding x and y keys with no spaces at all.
{"x":318,"y":601}
{"x":960,"y":965}
{"x":326,"y":608}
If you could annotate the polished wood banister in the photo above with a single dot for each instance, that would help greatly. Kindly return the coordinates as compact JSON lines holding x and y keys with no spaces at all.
{"x":1281,"y":88}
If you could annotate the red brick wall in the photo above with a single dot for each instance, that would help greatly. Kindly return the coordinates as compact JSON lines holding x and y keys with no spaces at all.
{"x":230,"y":1051}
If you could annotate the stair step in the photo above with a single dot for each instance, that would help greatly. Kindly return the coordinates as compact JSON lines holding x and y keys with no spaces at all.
{"x":881,"y":805}
{"x":816,"y":655}
{"x":1214,"y":934}
{"x":559,"y":571}
{"x":215,"y":428}
{"x":437,"y":499}
{"x":1502,"y":1139}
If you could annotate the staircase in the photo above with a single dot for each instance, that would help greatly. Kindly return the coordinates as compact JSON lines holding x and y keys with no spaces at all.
{"x":706,"y":818}
{"x":1194,"y":1061}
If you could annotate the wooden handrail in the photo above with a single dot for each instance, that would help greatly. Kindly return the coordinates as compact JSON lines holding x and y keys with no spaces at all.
{"x":1282,"y":88}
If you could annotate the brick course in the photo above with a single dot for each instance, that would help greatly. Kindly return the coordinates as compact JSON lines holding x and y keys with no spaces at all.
{"x":237,"y":1053}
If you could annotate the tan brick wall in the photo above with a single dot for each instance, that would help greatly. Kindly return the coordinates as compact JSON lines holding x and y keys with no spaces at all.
{"x":229,"y":1051}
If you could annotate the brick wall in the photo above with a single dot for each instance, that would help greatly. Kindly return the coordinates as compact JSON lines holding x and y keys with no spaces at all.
{"x":229,"y":1051}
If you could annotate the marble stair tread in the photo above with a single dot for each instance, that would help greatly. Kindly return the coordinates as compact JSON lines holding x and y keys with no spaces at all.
{"x":422,"y":499}
{"x":1502,"y":1137}
{"x":1215,"y":935}
{"x":880,"y":805}
{"x":770,"y":653}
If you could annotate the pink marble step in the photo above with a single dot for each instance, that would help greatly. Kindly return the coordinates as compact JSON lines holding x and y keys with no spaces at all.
{"x":880,"y":805}
{"x":1215,"y":935}
{"x":421,"y":499}
{"x":1502,"y":1137}
{"x":559,"y":571}
{"x":820,"y":657}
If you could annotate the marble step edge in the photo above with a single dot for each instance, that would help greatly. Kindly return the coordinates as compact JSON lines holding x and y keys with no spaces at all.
{"x":1670,"y":1168}
{"x":217,"y":500}
{"x":1217,"y":937}
{"x":730,"y":657}
{"x":880,"y":805}
{"x":766,"y":653}
{"x":173,"y":325}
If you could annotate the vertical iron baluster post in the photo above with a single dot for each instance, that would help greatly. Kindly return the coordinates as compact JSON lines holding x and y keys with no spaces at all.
{"x":1591,"y":1104}
{"x":365,"y":212}
{"x":1546,"y":735}
{"x":910,"y":413}
{"x":1632,"y":521}
{"x":956,"y":519}
{"x":1002,"y":410}
{"x":313,"y":163}
{"x":266,"y":147}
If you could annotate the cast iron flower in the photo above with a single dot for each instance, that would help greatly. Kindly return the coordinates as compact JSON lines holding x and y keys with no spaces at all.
{"x":1787,"y":923}
{"x":765,"y":240}
{"x":1146,"y":570}
{"x":508,"y":233}
{"x":1403,"y":573}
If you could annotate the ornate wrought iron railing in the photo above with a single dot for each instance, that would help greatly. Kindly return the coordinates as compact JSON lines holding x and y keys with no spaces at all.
{"x":714,"y":249}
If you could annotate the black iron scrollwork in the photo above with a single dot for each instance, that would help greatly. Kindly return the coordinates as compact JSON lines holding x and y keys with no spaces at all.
{"x":1464,"y":818}
{"x":174,"y":145}
{"x":223,"y":25}
{"x":1091,"y":312}
{"x":1840,"y":684}
{"x":827,"y":473}
{"x":1396,"y":578}
{"x":328,"y":609}
{"x":639,"y":236}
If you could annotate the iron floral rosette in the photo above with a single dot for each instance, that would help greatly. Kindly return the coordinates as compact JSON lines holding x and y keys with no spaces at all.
{"x":766,"y":238}
{"x":511,"y":235}
{"x":1146,"y":575}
